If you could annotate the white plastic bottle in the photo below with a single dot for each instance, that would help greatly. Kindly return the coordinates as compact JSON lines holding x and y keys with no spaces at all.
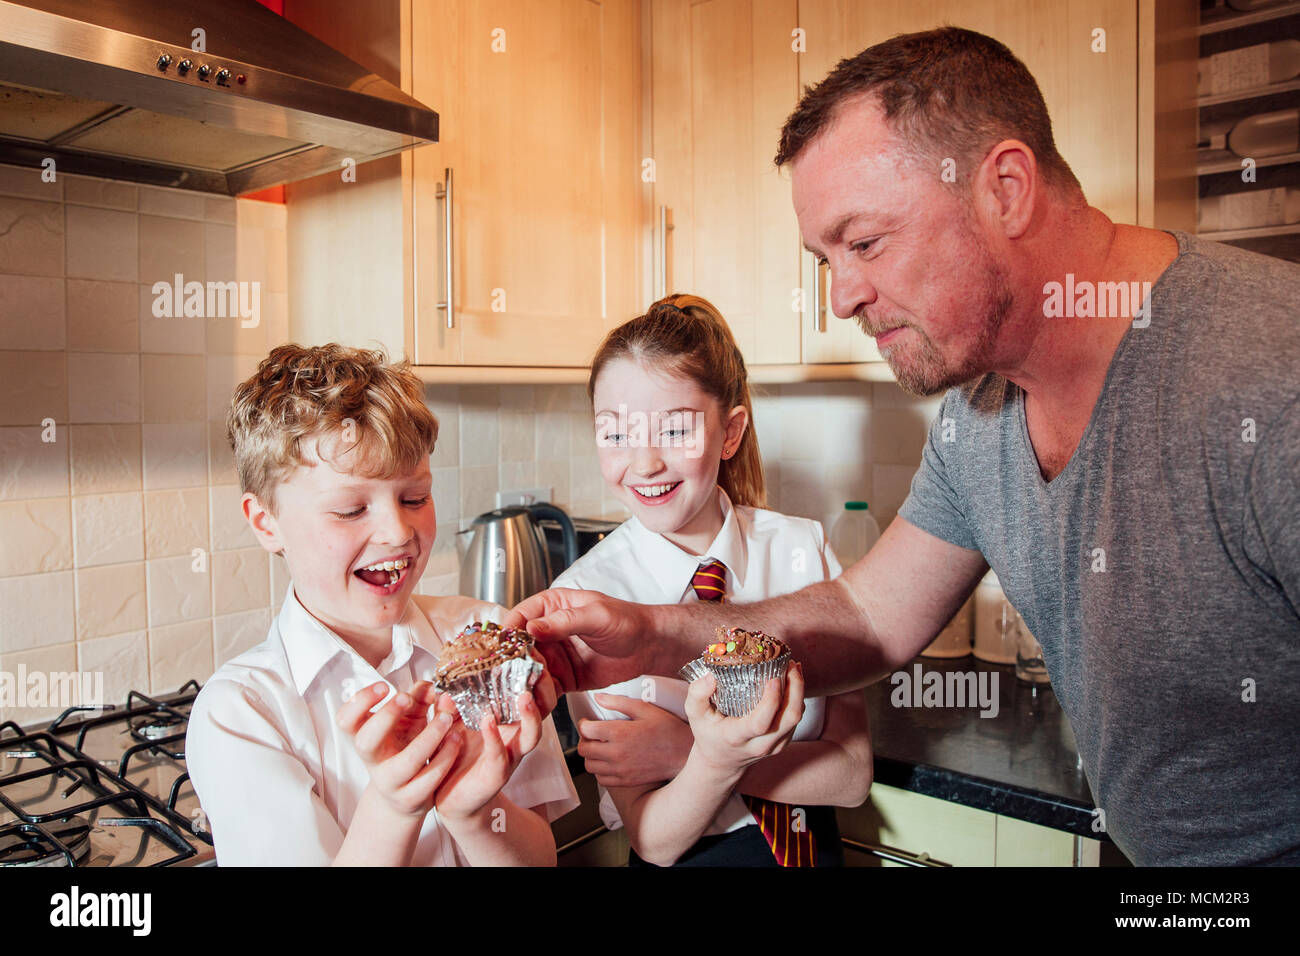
{"x":1266,"y":134}
{"x":854,"y":533}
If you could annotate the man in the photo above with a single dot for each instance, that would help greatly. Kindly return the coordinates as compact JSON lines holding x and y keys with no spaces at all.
{"x":1128,"y":464}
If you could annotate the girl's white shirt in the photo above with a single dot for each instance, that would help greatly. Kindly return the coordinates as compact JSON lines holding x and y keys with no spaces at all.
{"x":767,"y":554}
{"x":278,"y":780}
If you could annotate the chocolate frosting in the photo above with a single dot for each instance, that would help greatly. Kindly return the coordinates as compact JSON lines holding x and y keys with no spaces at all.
{"x":479,"y":647}
{"x":737,"y":646}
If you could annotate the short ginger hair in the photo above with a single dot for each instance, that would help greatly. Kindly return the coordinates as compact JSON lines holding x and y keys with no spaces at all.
{"x":373,"y":406}
{"x":945,"y":93}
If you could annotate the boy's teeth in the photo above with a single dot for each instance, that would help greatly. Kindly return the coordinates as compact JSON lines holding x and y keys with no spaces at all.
{"x":397,"y":565}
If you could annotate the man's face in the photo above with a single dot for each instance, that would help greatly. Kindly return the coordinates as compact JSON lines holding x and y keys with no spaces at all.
{"x":333,"y":525}
{"x":908,"y":258}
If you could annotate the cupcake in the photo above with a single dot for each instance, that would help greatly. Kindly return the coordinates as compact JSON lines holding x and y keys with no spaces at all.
{"x":484,"y":669}
{"x":742,"y":662}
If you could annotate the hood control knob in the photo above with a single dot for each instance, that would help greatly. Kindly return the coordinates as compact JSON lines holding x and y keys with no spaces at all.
{"x":223,"y":78}
{"x":184,"y":66}
{"x":164,"y":61}
{"x":204,"y":70}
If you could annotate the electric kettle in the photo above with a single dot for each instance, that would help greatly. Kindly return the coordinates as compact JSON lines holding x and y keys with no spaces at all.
{"x":506,"y":560}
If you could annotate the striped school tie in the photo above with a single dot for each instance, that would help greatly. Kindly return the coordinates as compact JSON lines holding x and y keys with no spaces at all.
{"x":776,"y":821}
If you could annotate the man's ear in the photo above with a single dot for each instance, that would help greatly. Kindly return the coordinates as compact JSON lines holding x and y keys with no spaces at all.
{"x":1012,"y":179}
{"x":262,"y":522}
{"x":737,"y":422}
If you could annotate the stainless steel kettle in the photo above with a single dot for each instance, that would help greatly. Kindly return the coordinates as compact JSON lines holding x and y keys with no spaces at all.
{"x":506,"y":560}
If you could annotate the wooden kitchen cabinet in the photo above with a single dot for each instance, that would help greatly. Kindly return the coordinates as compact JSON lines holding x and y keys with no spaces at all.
{"x":716,"y":128}
{"x":539,"y":108}
{"x":724,"y":78}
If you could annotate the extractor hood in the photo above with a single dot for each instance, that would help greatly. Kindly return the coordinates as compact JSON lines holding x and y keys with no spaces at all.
{"x":119,"y":89}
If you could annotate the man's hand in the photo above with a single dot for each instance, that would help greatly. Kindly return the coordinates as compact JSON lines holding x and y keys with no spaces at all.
{"x":589,"y":640}
{"x":487,"y":759}
{"x":649,"y":748}
{"x":407,"y":755}
{"x":730,"y":745}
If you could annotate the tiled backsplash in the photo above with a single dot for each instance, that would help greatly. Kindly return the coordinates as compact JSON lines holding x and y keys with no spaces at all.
{"x":122,"y":546}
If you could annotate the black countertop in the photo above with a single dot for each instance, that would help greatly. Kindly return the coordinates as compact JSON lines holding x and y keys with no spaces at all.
{"x":1021,"y":763}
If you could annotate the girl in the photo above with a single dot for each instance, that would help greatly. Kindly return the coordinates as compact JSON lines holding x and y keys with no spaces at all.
{"x":672,"y":409}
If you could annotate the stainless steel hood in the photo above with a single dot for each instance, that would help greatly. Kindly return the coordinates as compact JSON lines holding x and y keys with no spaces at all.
{"x":114,"y":88}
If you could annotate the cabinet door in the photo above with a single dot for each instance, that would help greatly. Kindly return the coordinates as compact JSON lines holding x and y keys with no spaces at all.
{"x":1091,"y":94}
{"x":725,"y":77}
{"x":538,"y":106}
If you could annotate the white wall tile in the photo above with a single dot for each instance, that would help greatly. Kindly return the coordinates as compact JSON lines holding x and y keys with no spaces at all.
{"x":176,"y":591}
{"x":123,"y":659}
{"x":102,"y":244}
{"x":105,"y":458}
{"x":175,"y":334}
{"x":218,"y":209}
{"x":169,"y":247}
{"x":175,"y":522}
{"x":103,"y":387}
{"x":110,"y":599}
{"x":38,"y":610}
{"x":52,"y":660}
{"x":224,"y":373}
{"x":89,"y":191}
{"x":109,"y":529}
{"x":30,"y":467}
{"x":175,"y":455}
{"x":31,"y":237}
{"x":230,"y":530}
{"x":232,"y":634}
{"x":172,"y":388}
{"x":30,"y":182}
{"x":279,"y":581}
{"x":184,"y":203}
{"x":33,"y":387}
{"x":103,"y":316}
{"x":37,"y":536}
{"x":32,"y":314}
{"x":241,"y":580}
{"x":179,"y":653}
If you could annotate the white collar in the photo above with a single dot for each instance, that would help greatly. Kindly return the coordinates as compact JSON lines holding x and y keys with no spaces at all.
{"x":672,"y":568}
{"x":309,"y":645}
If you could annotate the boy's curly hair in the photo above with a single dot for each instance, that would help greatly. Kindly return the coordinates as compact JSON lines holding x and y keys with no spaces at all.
{"x":374,"y":407}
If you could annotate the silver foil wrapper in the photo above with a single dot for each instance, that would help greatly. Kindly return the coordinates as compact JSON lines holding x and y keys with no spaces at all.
{"x":740,"y":686}
{"x":493,"y":691}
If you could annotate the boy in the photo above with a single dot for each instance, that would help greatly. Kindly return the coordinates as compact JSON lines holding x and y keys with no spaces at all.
{"x":291,"y":765}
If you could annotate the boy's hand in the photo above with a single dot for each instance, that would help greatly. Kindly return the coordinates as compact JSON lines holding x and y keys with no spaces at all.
{"x":407,"y":755}
{"x":730,"y":745}
{"x":487,"y":759}
{"x":649,"y":748}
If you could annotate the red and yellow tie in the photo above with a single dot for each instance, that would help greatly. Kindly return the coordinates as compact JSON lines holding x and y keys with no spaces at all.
{"x":776,"y":821}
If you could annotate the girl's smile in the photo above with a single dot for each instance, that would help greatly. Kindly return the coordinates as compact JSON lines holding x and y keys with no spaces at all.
{"x":669,"y":481}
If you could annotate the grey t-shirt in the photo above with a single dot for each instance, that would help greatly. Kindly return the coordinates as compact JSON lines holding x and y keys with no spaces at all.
{"x":1178,"y":665}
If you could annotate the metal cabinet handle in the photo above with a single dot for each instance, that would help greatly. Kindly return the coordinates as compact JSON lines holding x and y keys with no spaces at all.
{"x":817,"y":325}
{"x":449,"y":303}
{"x":664,"y":226}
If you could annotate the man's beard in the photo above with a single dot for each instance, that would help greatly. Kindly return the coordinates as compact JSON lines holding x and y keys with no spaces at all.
{"x":922,"y":370}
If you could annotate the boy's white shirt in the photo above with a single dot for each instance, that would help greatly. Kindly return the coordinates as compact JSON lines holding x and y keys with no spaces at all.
{"x":279,"y":782}
{"x":767,"y":554}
